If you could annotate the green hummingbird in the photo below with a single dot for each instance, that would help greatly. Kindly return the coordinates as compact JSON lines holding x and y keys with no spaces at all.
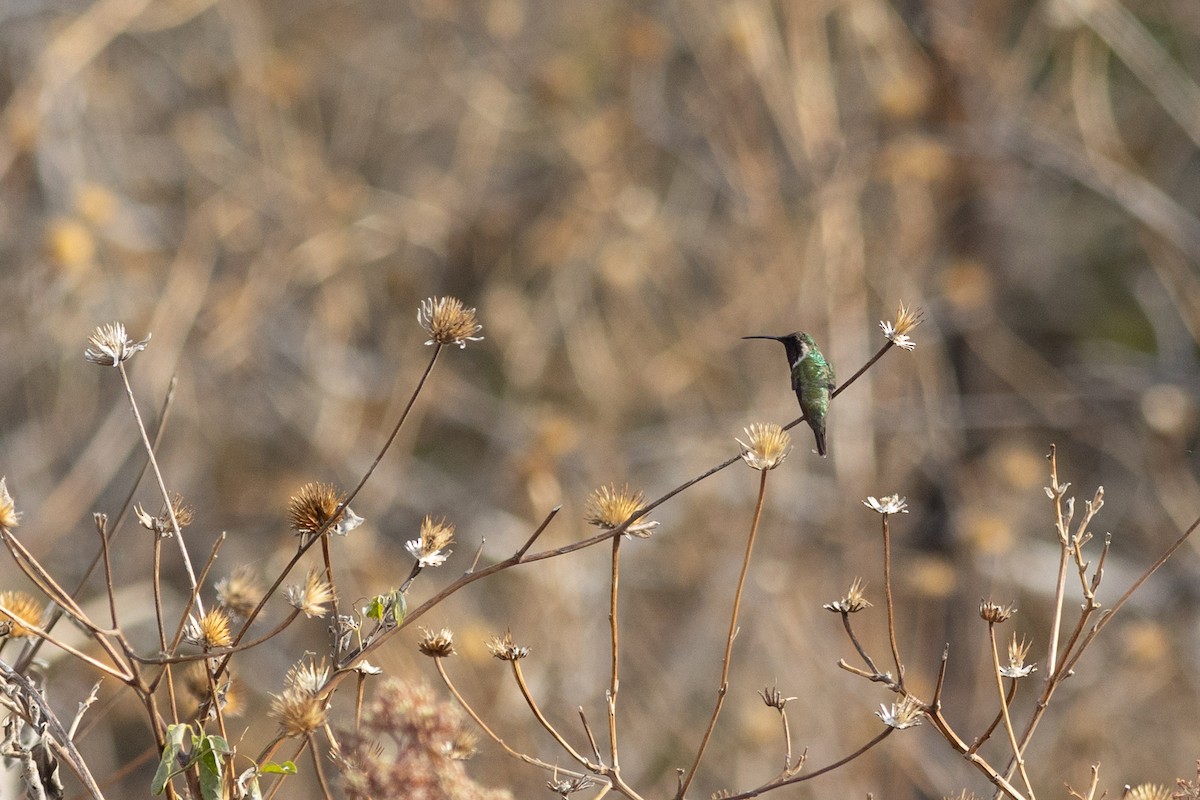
{"x":812,"y":378}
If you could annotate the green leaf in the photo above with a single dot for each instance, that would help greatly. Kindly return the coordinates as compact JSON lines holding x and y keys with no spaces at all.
{"x":168,"y":765}
{"x":271,"y":768}
{"x":208,"y":754}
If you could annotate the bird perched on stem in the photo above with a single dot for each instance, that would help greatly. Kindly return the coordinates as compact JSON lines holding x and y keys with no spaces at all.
{"x":812,"y":379}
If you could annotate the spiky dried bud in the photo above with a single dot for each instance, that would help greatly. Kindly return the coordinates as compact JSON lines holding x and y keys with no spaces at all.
{"x":448,"y":321}
{"x":9,"y":516}
{"x":462,"y":746}
{"x":769,"y":445}
{"x":432,"y":540}
{"x":774,"y":698}
{"x":436,"y":645}
{"x":209,"y":631}
{"x":1017,"y":651}
{"x":112,"y":346}
{"x":161,"y":524}
{"x":308,"y":677}
{"x":567,"y":786}
{"x":312,"y":508}
{"x":239,"y":593}
{"x":853,"y":602}
{"x":22,"y":611}
{"x":608,"y":507}
{"x":312,"y":596}
{"x":892,"y":504}
{"x":298,"y":713}
{"x":994,"y":613}
{"x":905,"y":714}
{"x":906,"y":320}
{"x":505,"y":649}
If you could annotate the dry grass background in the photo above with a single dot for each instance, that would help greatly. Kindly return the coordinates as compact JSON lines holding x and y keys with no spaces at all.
{"x":623,"y":190}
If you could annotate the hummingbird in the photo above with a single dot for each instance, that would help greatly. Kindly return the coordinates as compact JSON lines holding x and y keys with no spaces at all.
{"x":812,"y":379}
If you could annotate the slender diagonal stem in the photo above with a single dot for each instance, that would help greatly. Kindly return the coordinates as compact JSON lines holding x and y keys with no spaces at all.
{"x":1012,"y":736}
{"x":162,"y":486}
{"x":723,"y":688}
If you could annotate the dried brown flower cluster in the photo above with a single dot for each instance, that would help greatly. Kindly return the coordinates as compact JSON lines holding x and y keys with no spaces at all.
{"x":609,"y":507}
{"x":410,"y":745}
{"x":313,"y":508}
{"x":299,"y":708}
{"x":448,"y":321}
{"x":23,"y":610}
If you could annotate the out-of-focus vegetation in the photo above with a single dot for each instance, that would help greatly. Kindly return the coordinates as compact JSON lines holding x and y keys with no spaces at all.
{"x":623,"y":190}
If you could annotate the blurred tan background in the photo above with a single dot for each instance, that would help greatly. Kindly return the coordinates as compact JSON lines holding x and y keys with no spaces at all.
{"x":623,"y":190}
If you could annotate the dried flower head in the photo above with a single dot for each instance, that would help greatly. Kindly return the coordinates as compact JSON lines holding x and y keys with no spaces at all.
{"x":769,"y":445}
{"x":196,"y":687}
{"x":436,"y":645}
{"x":905,"y":714}
{"x":1148,"y":791}
{"x":892,"y":504}
{"x":433,"y":539}
{"x":312,"y":508}
{"x":505,"y":649}
{"x":9,"y":516}
{"x":239,"y":593}
{"x":448,"y":321}
{"x":567,"y":786}
{"x":312,"y":596}
{"x":897,"y":333}
{"x":22,"y":611}
{"x":209,"y":631}
{"x":463,"y":746}
{"x":774,"y":698}
{"x":298,"y":713}
{"x":1017,"y":651}
{"x":308,"y":677}
{"x":608,"y":507}
{"x":161,"y":524}
{"x":994,"y":613}
{"x":963,"y":795}
{"x":112,"y":346}
{"x":853,"y":602}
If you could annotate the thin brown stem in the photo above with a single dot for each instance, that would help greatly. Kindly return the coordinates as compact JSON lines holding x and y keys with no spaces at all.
{"x":545,"y":723}
{"x":162,"y":486}
{"x":316,"y":757}
{"x":723,"y":687}
{"x":614,"y":679}
{"x":528,"y":759}
{"x":891,"y":608}
{"x":1012,"y":736}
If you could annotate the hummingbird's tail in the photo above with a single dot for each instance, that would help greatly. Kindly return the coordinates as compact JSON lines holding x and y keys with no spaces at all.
{"x":818,"y":430}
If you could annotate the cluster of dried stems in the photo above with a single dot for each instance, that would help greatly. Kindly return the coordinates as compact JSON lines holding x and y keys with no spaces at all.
{"x":196,"y":756}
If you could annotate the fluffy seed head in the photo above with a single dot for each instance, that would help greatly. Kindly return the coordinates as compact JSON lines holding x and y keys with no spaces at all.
{"x":298,"y":713}
{"x":608,"y":507}
{"x":906,"y":320}
{"x":312,"y":596}
{"x":313,"y":506}
{"x":210,"y":630}
{"x":448,"y":321}
{"x":23,"y":610}
{"x":239,"y":593}
{"x":905,"y":714}
{"x":110,"y":345}
{"x":853,"y":602}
